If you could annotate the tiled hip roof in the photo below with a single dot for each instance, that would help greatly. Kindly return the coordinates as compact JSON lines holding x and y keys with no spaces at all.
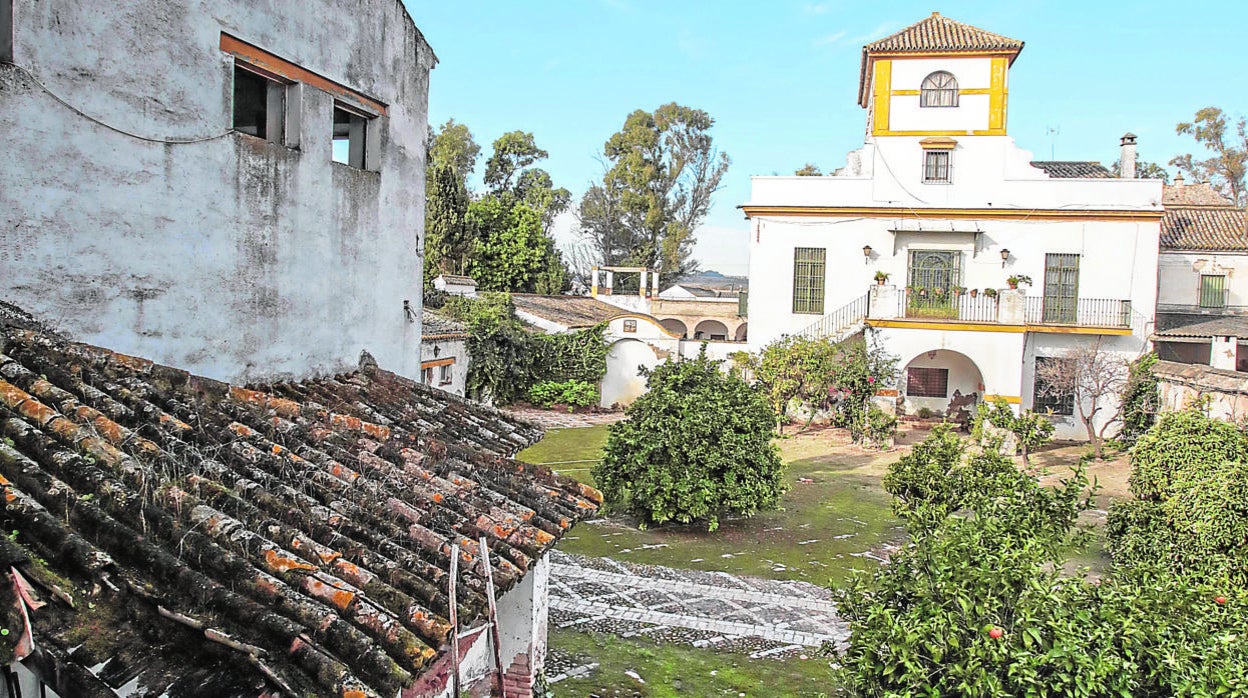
{"x":1204,"y":228}
{"x":1073,"y":169}
{"x":227,"y":541}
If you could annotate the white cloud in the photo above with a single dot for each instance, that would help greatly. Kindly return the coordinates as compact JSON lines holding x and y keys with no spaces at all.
{"x":830,"y":39}
{"x":818,"y":8}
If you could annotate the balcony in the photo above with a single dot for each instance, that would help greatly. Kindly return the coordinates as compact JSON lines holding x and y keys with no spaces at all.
{"x":894,"y":307}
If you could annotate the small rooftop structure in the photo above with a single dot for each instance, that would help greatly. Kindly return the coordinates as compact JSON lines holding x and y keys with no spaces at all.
{"x":1073,"y":169}
{"x":456,"y":285}
{"x":1198,"y":218}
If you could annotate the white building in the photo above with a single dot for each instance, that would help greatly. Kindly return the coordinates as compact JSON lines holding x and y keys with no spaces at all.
{"x":942,"y":201}
{"x":248,"y":207}
{"x":444,"y":357}
{"x":1202,"y":302}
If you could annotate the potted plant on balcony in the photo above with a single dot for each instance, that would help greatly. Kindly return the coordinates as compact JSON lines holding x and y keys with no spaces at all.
{"x":990,"y":293}
{"x":959,"y":290}
{"x":881,"y":277}
{"x":974,"y":292}
{"x":1017,"y":279}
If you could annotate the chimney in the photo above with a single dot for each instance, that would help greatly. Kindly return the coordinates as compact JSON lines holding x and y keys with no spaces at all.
{"x":1179,"y":181}
{"x":1126,"y":158}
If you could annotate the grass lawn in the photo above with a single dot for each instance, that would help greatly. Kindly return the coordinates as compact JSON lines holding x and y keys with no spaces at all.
{"x":823,"y":528}
{"x":672,"y":671}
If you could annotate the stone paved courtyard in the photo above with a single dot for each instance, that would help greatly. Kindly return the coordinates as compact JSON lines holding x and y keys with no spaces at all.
{"x":761,"y":617}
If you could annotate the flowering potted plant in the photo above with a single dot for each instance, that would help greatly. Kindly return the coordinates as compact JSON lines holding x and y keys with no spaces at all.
{"x":990,"y":292}
{"x":959,"y":290}
{"x":1017,"y":279}
{"x":881,"y":277}
{"x":974,"y":292}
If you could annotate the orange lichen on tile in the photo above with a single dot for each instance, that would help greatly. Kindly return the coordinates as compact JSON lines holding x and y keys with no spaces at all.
{"x":132,"y":362}
{"x":65,"y":429}
{"x":40,"y":413}
{"x":11,"y":395}
{"x":110,"y":430}
{"x":283,"y":407}
{"x":251,"y":397}
{"x":242,"y":430}
{"x":341,"y":471}
{"x":376,"y":431}
{"x":170,"y":420}
{"x":281,"y":563}
{"x":338,"y":598}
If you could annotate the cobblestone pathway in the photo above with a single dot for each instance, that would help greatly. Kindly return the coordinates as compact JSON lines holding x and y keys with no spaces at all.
{"x":761,"y":617}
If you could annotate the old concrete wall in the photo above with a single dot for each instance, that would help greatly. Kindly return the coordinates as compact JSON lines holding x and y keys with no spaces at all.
{"x":233,"y":257}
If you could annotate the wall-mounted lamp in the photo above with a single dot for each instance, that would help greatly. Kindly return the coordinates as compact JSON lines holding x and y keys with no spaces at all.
{"x":408,"y":311}
{"x":866,"y":254}
{"x":437,"y":350}
{"x":1005,"y":257}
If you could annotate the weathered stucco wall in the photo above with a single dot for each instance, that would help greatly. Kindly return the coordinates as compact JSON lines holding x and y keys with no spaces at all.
{"x":437,"y":350}
{"x":234,"y":257}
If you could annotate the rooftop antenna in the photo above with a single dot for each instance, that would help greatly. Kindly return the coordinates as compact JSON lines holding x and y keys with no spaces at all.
{"x":1053,"y":132}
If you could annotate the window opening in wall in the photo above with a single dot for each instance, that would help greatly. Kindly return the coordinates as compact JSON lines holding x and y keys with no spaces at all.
{"x":1048,"y":398}
{"x":940,"y":89}
{"x":931,"y":281}
{"x":936,"y":167}
{"x":927,"y":382}
{"x":444,"y":374}
{"x":808,"y":279}
{"x":1061,"y":288}
{"x":1212,"y":291}
{"x":259,"y":105}
{"x":350,"y":135}
{"x":428,"y":377}
{"x":6,"y":31}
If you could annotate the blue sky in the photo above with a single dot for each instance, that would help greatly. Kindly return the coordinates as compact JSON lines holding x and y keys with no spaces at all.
{"x":780,"y":78}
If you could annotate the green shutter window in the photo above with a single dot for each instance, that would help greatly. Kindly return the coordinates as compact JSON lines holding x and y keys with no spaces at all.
{"x":1061,"y":289}
{"x":1212,"y":291}
{"x":808,"y":273}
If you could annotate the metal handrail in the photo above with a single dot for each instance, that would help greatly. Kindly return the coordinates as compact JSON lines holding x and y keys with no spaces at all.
{"x":838,"y":321}
{"x":1082,"y":312}
{"x":961,"y":307}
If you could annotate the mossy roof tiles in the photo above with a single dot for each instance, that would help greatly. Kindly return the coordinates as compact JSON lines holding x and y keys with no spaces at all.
{"x":223,"y":541}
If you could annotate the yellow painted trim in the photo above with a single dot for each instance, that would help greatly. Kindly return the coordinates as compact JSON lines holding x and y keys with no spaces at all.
{"x":1012,"y":399}
{"x":950,"y":213}
{"x":906,"y":93}
{"x":903,"y":324}
{"x":883,"y":87}
{"x":997,"y":96}
{"x":976,"y":132}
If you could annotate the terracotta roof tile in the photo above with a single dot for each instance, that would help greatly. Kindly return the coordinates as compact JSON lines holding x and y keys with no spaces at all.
{"x":226,"y":541}
{"x":1204,"y":228}
{"x":1073,"y":169}
{"x":1226,"y":325}
{"x":1199,"y":194}
{"x":939,"y":33}
{"x":570,"y":311}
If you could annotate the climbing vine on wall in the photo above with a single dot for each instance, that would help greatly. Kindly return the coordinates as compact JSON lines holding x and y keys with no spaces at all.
{"x":508,"y":359}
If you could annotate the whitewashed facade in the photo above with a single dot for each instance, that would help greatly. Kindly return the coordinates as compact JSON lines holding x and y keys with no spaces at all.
{"x":942,"y":201}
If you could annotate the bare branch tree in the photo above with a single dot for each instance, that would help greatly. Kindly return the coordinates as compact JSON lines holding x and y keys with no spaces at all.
{"x":1094,"y":378}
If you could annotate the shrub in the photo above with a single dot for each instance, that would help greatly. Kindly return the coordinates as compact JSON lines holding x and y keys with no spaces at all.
{"x":976,"y":604}
{"x":573,"y":393}
{"x":696,"y":446}
{"x":881,"y":427}
{"x":1029,"y":429}
{"x":1191,"y":480}
{"x":1140,"y":400}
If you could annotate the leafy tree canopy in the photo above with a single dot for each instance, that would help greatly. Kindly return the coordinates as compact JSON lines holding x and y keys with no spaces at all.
{"x":810,"y":169}
{"x":1227,"y":142}
{"x":663,"y":170}
{"x":695,"y":447}
{"x":453,"y":146}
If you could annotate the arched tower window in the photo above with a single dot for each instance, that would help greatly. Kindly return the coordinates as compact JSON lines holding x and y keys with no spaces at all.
{"x":940,"y":89}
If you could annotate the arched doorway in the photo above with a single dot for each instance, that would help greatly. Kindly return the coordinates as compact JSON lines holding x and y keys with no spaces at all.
{"x":711,"y":329}
{"x":941,"y":382}
{"x":675,"y":326}
{"x":741,"y":335}
{"x":622,"y":384}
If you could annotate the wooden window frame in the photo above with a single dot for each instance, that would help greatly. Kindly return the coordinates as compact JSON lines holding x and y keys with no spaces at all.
{"x":922,"y":381}
{"x":809,"y":280}
{"x":933,"y":95}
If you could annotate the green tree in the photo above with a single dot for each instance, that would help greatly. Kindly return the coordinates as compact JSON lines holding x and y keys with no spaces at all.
{"x":1029,"y":429}
{"x":449,"y":236}
{"x":1190,"y":480}
{"x":796,"y":369}
{"x":1140,"y":400}
{"x":1228,"y":143}
{"x":511,"y":251}
{"x":810,"y":169}
{"x":695,"y":447}
{"x":453,"y":146}
{"x":976,"y":604}
{"x":663,"y":171}
{"x":1143,"y":170}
